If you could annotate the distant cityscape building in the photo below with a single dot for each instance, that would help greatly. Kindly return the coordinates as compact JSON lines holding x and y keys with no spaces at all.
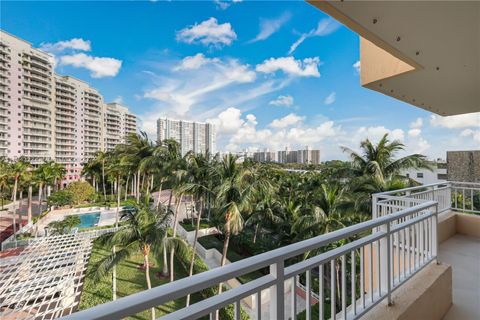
{"x":192,"y":136}
{"x":265,"y":156}
{"x":45,"y":116}
{"x":306,"y":156}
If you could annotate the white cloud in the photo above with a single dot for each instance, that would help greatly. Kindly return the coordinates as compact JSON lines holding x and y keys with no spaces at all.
{"x":287,"y":121}
{"x":475,"y":134}
{"x":99,"y":67}
{"x":225,"y":4}
{"x":282,"y":101}
{"x":330,"y":98}
{"x":118,"y":99}
{"x":73,"y":44}
{"x":194,"y":62}
{"x":208,"y":33}
{"x":179,"y":93}
{"x":414,"y":132}
{"x":286,"y":131}
{"x":306,"y":68}
{"x":456,"y":122}
{"x":376,"y":133}
{"x":270,"y":26}
{"x":325,"y":27}
{"x":417,"y":124}
{"x":356,"y":66}
{"x":228,"y":121}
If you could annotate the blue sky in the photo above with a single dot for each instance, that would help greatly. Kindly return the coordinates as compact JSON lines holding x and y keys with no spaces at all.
{"x":268,"y":74}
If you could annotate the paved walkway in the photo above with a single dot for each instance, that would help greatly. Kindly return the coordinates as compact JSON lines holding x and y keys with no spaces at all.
{"x":463,"y":254}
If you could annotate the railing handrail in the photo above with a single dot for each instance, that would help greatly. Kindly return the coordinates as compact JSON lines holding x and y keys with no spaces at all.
{"x":413,"y":188}
{"x":159,"y":295}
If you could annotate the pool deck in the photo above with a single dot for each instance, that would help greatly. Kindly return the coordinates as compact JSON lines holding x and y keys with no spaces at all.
{"x":107,"y":217}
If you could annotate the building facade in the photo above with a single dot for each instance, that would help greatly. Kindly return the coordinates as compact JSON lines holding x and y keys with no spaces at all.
{"x":265,"y":156}
{"x":45,"y":116}
{"x":425,"y":176}
{"x":463,"y":166}
{"x":306,"y":156}
{"x":192,"y":136}
{"x":119,"y":123}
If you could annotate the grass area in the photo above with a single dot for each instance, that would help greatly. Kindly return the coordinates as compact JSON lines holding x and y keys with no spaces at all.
{"x":187,"y":224}
{"x":130,"y":279}
{"x":212,"y":242}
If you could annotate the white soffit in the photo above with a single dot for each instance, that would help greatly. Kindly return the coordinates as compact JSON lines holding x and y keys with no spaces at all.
{"x":440,"y":40}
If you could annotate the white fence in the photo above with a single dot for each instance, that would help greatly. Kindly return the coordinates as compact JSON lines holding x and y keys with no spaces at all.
{"x":371,"y":259}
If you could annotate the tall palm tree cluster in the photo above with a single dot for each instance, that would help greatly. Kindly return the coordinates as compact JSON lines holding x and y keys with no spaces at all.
{"x":18,"y":177}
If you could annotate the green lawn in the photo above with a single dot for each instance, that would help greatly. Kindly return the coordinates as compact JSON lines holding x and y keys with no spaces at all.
{"x":187,"y":224}
{"x":130,"y":280}
{"x":212,"y":242}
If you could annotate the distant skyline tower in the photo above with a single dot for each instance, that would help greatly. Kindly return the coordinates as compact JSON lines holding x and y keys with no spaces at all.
{"x":194,"y":136}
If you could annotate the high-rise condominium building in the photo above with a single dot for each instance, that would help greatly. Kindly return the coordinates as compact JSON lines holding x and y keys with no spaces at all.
{"x":119,"y":123}
{"x":46,"y":116}
{"x":192,"y":136}
{"x":264,"y":156}
{"x":307,"y":156}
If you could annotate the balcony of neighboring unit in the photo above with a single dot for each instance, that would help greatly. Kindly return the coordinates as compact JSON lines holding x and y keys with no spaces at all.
{"x":43,"y":61}
{"x":36,"y":132}
{"x":45,"y":80}
{"x":35,"y":70}
{"x":38,"y":91}
{"x":4,"y":66}
{"x":36,"y":98}
{"x":65,"y":112}
{"x":37,"y":111}
{"x":5,"y":57}
{"x":36,"y":147}
{"x":4,"y":144}
{"x":30,"y":125}
{"x":36,"y":119}
{"x":33,"y":139}
{"x":62,"y":118}
{"x":4,"y":49}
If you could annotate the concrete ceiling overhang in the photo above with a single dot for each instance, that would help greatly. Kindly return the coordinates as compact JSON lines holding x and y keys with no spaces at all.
{"x":426,"y":53}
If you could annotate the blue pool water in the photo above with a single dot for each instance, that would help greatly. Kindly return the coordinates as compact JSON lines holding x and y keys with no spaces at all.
{"x":88,"y":220}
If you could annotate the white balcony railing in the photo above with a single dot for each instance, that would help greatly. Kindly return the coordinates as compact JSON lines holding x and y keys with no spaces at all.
{"x":363,"y":256}
{"x":460,"y":196}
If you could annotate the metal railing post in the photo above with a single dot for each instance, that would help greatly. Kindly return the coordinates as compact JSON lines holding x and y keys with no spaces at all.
{"x":384,"y":261}
{"x":389,"y":268}
{"x":435,"y":235}
{"x":277,"y":292}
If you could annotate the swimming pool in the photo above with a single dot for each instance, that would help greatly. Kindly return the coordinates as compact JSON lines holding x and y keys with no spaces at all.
{"x":88,"y":220}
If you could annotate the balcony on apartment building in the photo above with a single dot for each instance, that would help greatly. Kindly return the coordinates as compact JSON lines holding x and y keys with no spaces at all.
{"x":419,"y":255}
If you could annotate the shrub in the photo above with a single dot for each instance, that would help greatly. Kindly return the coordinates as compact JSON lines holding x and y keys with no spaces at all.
{"x":81,"y":191}
{"x":60,"y":198}
{"x":64,"y":226}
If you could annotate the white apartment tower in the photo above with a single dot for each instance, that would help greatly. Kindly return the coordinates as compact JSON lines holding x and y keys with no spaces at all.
{"x":119,"y":123}
{"x":45,"y":116}
{"x":192,"y":136}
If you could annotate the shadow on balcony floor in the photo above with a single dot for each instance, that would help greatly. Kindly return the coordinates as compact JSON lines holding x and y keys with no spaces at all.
{"x":463,"y":254}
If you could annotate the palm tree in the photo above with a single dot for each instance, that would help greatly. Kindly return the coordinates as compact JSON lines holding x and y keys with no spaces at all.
{"x":44,"y":176}
{"x":146,"y":231}
{"x":198,"y":184}
{"x":4,"y":177}
{"x":266,"y":213}
{"x":234,"y":196}
{"x":137,"y":148}
{"x":58,"y":172}
{"x":17,"y":169}
{"x":101,"y":157}
{"x":379,"y":160}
